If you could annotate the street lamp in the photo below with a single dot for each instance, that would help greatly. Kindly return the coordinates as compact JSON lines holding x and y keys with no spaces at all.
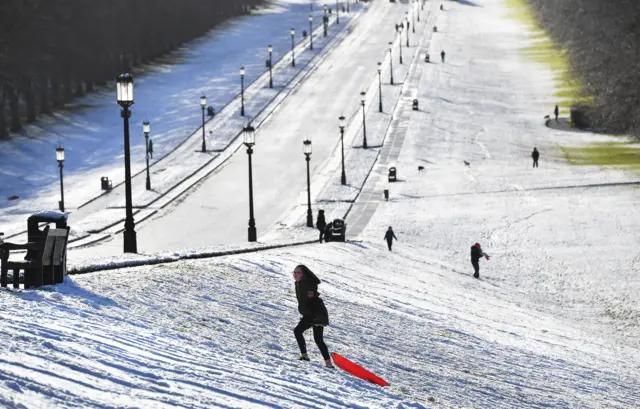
{"x":146,"y":128}
{"x":306,"y":148}
{"x":270,"y":48}
{"x":60,"y":159}
{"x":400,"y":28}
{"x":124,"y":96}
{"x":391,"y":62}
{"x":343,"y":122}
{"x":348,"y":11}
{"x":203,"y":104}
{"x":293,"y":55}
{"x":310,"y":32}
{"x":325,"y":20}
{"x":250,"y":140}
{"x":413,"y":20}
{"x":337,"y":13}
{"x":407,"y":27}
{"x":380,"y":86}
{"x":364,"y":123}
{"x":242,"y":91}
{"x":415,"y":7}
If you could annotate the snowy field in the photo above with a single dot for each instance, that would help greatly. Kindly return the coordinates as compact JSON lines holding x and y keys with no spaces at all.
{"x":554,"y":321}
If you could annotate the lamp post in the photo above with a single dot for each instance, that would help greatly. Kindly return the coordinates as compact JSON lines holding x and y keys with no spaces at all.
{"x":400,"y":42}
{"x":293,"y":55}
{"x":270,"y":48}
{"x":348,"y":11}
{"x":146,"y":128}
{"x":60,"y":159}
{"x":413,"y":19}
{"x":380,"y":86}
{"x":407,"y":27}
{"x":306,"y":148}
{"x":391,"y":62}
{"x":310,"y":32}
{"x":325,"y":19}
{"x":203,"y":104}
{"x":337,"y":13}
{"x":364,"y":123}
{"x":241,"y":91}
{"x":125,"y":100}
{"x":250,"y":140}
{"x":343,"y":122}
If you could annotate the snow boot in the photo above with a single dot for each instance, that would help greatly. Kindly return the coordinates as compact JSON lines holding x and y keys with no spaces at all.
{"x":304,"y":357}
{"x":328,"y":364}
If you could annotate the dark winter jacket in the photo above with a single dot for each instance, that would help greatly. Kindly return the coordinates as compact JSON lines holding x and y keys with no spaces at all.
{"x":476,"y":254}
{"x":535,"y":154}
{"x":311,"y":308}
{"x":389,"y":235}
{"x":320,"y":222}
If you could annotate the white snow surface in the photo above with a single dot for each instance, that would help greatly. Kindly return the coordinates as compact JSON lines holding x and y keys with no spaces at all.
{"x":554,"y":320}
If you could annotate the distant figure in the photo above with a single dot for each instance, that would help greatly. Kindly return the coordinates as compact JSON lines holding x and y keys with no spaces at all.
{"x":389,"y":236}
{"x":321,"y":224}
{"x":466,"y":163}
{"x":313,"y":311}
{"x":435,"y":29}
{"x":556,"y":111}
{"x":150,"y":148}
{"x":441,"y":8}
{"x":476,"y":255}
{"x":442,"y":55}
{"x":420,"y":168}
{"x":535,"y":155}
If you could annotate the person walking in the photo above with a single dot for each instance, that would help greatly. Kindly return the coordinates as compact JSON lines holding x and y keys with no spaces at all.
{"x":314,"y":313}
{"x":535,"y":155}
{"x":476,"y":255}
{"x":556,"y":111}
{"x":321,"y":223}
{"x":150,"y":149}
{"x":442,"y":54}
{"x":389,"y":236}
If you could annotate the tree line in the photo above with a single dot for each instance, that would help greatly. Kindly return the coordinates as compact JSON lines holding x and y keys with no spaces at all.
{"x":602,"y":39}
{"x":52,"y":51}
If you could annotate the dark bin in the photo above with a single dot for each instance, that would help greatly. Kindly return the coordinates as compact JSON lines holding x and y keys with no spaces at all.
{"x":414,"y":105}
{"x":338,"y":230}
{"x":210,"y":111}
{"x":392,"y":174}
{"x":34,"y":234}
{"x":104,"y":183}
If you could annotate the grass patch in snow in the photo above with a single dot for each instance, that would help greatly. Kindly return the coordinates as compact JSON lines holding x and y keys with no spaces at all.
{"x":619,"y":154}
{"x":544,"y":51}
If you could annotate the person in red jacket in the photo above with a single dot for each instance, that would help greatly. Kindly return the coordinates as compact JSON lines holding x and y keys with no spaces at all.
{"x":476,"y":255}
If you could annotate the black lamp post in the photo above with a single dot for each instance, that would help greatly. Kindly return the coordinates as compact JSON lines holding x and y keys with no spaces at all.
{"x":125,"y":100}
{"x":293,"y":55}
{"x":407,"y":27}
{"x":415,"y":7}
{"x":337,"y":13}
{"x":60,"y":159}
{"x":241,"y":91}
{"x":380,"y":86}
{"x":249,"y":141}
{"x":306,"y":145}
{"x":343,"y":122}
{"x":325,"y":20}
{"x":203,"y":104}
{"x":146,"y":128}
{"x":364,"y":123}
{"x":270,"y":48}
{"x":348,"y":11}
{"x":391,"y":62}
{"x":310,"y":32}
{"x":400,"y":42}
{"x":413,"y":19}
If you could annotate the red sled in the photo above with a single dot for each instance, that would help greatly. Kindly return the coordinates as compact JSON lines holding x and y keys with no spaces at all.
{"x":356,"y":370}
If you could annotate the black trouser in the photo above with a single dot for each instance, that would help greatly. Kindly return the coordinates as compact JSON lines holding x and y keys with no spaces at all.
{"x":318,"y":330}
{"x":321,"y":234}
{"x":476,"y":268}
{"x":389,"y":243}
{"x":535,"y":163}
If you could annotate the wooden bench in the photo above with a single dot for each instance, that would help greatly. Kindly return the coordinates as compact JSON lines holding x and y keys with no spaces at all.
{"x":47,"y":266}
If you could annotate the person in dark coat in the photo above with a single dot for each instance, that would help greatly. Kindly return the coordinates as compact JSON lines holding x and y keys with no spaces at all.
{"x":556,"y":111}
{"x":327,"y":232}
{"x":389,"y":236}
{"x":442,"y":54}
{"x":313,"y":311}
{"x":535,"y":155}
{"x":476,"y":255}
{"x":150,"y":149}
{"x":321,"y":224}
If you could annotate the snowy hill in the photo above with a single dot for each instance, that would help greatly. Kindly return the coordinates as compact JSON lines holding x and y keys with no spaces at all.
{"x":552,"y":322}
